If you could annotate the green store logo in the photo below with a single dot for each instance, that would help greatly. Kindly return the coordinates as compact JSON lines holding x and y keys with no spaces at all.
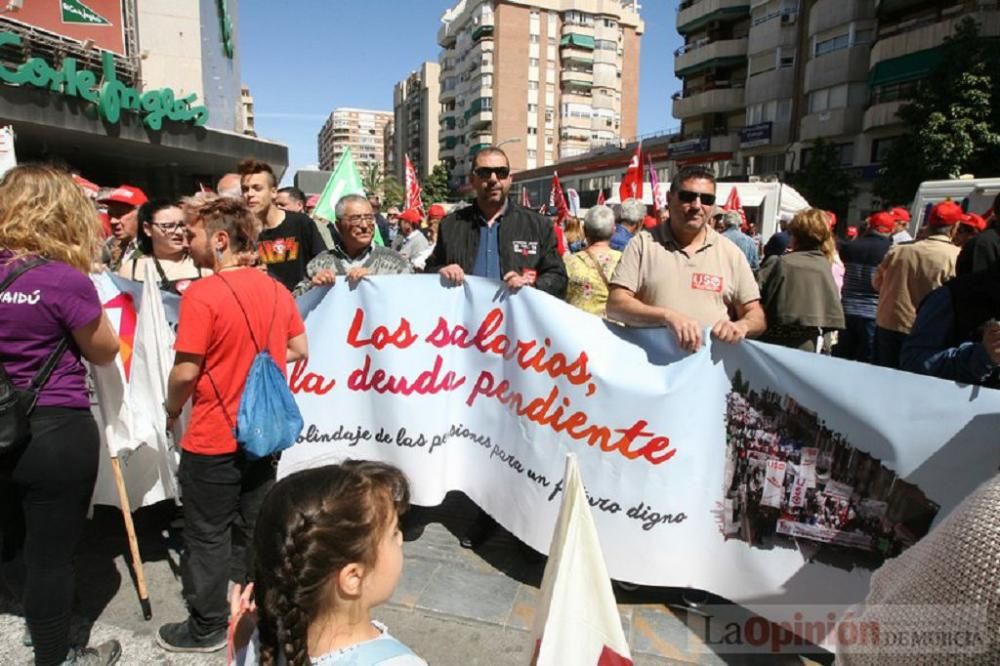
{"x":74,"y":11}
{"x":111,"y":96}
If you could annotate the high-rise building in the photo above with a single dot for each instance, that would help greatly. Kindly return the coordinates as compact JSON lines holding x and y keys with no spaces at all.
{"x":389,"y":147}
{"x":417,"y":109}
{"x":763,"y":80}
{"x":361,"y":130}
{"x":546,"y":79}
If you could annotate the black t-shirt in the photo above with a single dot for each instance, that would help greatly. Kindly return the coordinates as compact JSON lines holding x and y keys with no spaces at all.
{"x":289,"y":247}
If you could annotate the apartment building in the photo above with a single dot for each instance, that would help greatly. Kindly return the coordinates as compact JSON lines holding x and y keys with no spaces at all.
{"x":417,"y":112}
{"x":361,"y":130}
{"x":763,"y":80}
{"x":546,"y":79}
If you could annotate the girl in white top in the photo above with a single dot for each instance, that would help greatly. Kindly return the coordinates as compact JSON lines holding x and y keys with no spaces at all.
{"x":162,"y":237}
{"x":327,"y":549}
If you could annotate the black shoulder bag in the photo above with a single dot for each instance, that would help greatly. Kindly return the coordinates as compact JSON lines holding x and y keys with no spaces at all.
{"x":17,"y":404}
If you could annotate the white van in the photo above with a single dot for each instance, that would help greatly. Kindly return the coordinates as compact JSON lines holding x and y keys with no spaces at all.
{"x":975,"y":195}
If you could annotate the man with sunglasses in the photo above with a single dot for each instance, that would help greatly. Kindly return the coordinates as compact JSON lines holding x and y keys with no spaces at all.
{"x":686,"y":276}
{"x":496,"y":238}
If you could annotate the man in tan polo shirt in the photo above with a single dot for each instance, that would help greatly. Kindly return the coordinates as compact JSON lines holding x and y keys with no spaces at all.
{"x":908,"y":272}
{"x":684,"y":275}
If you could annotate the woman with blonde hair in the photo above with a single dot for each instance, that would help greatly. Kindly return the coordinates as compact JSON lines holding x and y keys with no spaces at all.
{"x":51,"y":317}
{"x":576,"y":240}
{"x":798,"y":293}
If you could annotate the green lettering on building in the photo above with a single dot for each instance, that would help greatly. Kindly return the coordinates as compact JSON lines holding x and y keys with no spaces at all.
{"x":111,"y":96}
{"x":74,"y":11}
{"x":226,"y":24}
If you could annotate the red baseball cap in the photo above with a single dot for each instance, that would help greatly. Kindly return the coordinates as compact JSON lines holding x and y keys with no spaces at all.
{"x":436,"y":212}
{"x":900,"y":214}
{"x":945,"y":214}
{"x":852,"y":232}
{"x":833,"y":218}
{"x":973,"y":221}
{"x":883,"y":222}
{"x":125,"y":194}
{"x":411,"y":215}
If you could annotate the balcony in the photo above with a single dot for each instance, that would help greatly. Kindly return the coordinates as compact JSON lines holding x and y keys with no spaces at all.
{"x":484,"y":31}
{"x":573,"y":53}
{"x":576,"y":78}
{"x":577,"y":29}
{"x":881,"y":115}
{"x":692,"y":59}
{"x":479,"y":118}
{"x":724,"y":143}
{"x":781,"y":30}
{"x":843,"y":66}
{"x":576,"y":40}
{"x":927,"y":37}
{"x":772,"y":84}
{"x":827,"y":14}
{"x":718,"y":100}
{"x":834,"y":122}
{"x":695,"y":14}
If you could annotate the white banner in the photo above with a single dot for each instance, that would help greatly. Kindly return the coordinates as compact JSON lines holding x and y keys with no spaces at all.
{"x":479,"y":390}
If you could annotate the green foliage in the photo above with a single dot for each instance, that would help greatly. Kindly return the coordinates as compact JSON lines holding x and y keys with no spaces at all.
{"x":435,"y":189}
{"x":952,"y":126}
{"x":823,"y":181}
{"x":372,"y":180}
{"x":392,"y":192}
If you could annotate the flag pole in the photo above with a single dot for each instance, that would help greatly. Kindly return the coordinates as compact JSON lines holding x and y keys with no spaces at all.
{"x":133,"y":543}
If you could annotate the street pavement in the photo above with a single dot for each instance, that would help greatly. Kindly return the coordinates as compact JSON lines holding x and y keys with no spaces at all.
{"x":452,"y":606}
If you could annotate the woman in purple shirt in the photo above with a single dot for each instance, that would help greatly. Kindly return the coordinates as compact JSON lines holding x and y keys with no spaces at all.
{"x":46,"y":485}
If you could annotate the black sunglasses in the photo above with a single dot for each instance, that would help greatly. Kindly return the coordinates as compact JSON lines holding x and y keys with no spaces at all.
{"x":687,"y":196}
{"x":485,"y":172}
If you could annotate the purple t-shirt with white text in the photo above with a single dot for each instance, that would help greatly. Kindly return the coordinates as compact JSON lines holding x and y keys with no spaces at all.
{"x":42,"y":307}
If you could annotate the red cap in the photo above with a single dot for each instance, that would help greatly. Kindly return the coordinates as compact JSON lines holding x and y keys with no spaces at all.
{"x":973,"y":221}
{"x":436,"y":212}
{"x":883,"y":222}
{"x":411,"y":215}
{"x":649,"y":222}
{"x":832,"y":217}
{"x":945,"y":214}
{"x":852,"y":232}
{"x":125,"y":194}
{"x":312,"y":201}
{"x":900,"y":214}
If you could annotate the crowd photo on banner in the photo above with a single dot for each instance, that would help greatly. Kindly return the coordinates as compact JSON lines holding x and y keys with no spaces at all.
{"x":214,"y":350}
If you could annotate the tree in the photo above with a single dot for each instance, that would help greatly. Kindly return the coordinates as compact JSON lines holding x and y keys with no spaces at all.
{"x":951,"y":125}
{"x":392,"y":192}
{"x":823,"y":181}
{"x":372,"y":180}
{"x":436,"y":189}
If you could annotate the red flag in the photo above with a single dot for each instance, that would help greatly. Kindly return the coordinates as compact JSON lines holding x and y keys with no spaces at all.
{"x":557,"y":199}
{"x":412,"y":186}
{"x":733,"y":203}
{"x":631,"y":186}
{"x":600,"y":198}
{"x":525,"y":199}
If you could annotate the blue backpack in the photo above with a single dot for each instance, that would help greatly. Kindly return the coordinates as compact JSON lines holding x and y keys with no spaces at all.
{"x":268,"y":420}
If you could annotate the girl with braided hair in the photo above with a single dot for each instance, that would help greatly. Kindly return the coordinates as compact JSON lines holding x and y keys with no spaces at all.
{"x":328,"y":549}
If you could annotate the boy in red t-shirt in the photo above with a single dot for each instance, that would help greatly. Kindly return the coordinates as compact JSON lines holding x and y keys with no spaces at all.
{"x":224,"y":319}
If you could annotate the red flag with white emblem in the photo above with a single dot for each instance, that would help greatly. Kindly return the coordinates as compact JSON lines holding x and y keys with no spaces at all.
{"x":600,"y":197}
{"x":631,"y":186}
{"x":413,"y":190}
{"x":557,"y":199}
{"x":525,"y":199}
{"x":733,"y":203}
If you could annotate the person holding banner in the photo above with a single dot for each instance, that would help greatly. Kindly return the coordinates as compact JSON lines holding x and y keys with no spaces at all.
{"x":686,"y":276}
{"x":221,"y":319}
{"x":50,"y":313}
{"x":496,"y":238}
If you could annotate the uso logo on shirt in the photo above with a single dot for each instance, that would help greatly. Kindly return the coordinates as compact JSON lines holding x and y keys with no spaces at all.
{"x":706,"y":282}
{"x":525,"y":248}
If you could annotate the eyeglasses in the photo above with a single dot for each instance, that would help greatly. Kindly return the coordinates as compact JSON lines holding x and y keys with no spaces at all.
{"x":485,"y":172}
{"x":687,"y":196}
{"x":357,"y":220}
{"x":169,"y":227}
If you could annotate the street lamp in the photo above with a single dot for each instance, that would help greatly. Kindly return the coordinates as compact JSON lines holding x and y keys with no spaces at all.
{"x":514,"y":140}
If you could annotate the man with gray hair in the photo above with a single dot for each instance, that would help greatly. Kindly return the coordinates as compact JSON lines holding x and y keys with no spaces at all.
{"x":730,"y":221}
{"x":633,"y":212}
{"x":591,"y":268}
{"x":353,"y":253}
{"x":229,"y":186}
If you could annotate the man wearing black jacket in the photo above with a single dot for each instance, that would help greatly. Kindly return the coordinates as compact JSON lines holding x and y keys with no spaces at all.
{"x":496,"y":238}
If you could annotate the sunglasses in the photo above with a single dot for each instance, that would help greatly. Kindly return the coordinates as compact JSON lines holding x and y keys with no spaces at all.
{"x":485,"y":172}
{"x":687,"y":196}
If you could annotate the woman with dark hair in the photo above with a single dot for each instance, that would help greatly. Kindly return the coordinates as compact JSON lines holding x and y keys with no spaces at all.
{"x":162,"y":239}
{"x":798,"y":293}
{"x":50,"y":315}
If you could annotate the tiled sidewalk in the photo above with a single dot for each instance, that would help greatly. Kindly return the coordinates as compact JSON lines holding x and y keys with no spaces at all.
{"x":498,"y":585}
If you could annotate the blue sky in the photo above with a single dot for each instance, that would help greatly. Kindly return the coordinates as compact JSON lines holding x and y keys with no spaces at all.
{"x":304,"y":58}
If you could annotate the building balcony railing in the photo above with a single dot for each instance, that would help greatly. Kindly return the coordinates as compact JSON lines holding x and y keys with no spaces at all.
{"x":927,"y":36}
{"x":578,"y":77}
{"x":720,"y":53}
{"x":881,"y":115}
{"x":831,"y":123}
{"x":717,"y":100}
{"x":694,"y":14}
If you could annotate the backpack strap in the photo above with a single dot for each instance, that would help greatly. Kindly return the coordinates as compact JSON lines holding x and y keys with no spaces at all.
{"x":21,"y":270}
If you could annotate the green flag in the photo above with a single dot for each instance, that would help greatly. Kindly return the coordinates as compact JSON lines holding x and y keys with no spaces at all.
{"x":344,"y":180}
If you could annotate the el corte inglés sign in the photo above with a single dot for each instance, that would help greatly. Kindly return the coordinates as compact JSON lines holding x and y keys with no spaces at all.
{"x":110,"y":95}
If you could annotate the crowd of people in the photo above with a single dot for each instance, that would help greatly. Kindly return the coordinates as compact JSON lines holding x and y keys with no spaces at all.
{"x":240,"y":255}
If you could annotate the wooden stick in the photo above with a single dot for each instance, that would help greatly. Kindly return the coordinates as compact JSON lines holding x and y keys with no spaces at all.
{"x":133,"y":544}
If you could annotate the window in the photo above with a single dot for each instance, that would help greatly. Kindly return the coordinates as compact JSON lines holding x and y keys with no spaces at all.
{"x":845,"y":154}
{"x":532,"y":108}
{"x":532,"y":39}
{"x":864,"y":36}
{"x":764,"y":164}
{"x":828,"y":98}
{"x":832,"y":44}
{"x":532,"y":62}
{"x":532,"y":85}
{"x":881,"y":148}
{"x":532,"y":131}
{"x":532,"y":153}
{"x":552,"y":41}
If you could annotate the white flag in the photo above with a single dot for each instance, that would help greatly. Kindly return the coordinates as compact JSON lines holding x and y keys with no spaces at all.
{"x":577,"y":620}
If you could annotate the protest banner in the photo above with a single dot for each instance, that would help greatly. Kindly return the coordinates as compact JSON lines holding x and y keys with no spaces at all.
{"x":483,"y":391}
